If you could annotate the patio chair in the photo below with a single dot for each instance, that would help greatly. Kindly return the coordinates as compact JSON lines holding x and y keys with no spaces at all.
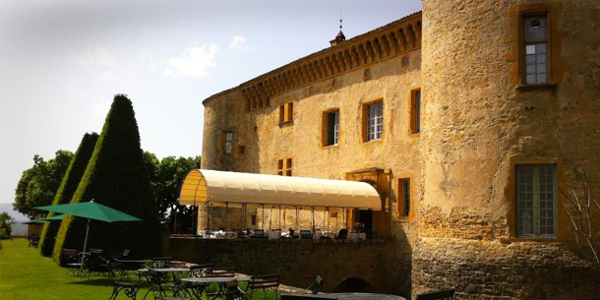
{"x":305,"y":297}
{"x":221,"y":271}
{"x":130,"y":289}
{"x":159,"y":284}
{"x":343,"y":234}
{"x":233,"y":291}
{"x":446,"y":294}
{"x":72,"y":261}
{"x":264,"y":282}
{"x":315,"y":287}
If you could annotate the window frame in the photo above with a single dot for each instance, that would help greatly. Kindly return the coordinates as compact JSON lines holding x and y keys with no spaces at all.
{"x":366,"y":118}
{"x":227,"y":145}
{"x":289,"y":164}
{"x":536,"y":201}
{"x":522,"y":46}
{"x":415,"y":112}
{"x":401,"y":201}
{"x":280,"y":167}
{"x":286,"y":113}
{"x":327,"y":131}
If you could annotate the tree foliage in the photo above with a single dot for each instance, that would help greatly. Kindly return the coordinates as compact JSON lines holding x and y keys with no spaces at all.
{"x":116,"y":176}
{"x":167,"y":176}
{"x":38,"y":185}
{"x":65,"y":192}
{"x":5,"y":225}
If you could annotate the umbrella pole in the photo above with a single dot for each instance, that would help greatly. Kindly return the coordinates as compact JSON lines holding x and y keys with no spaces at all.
{"x":87,"y":232}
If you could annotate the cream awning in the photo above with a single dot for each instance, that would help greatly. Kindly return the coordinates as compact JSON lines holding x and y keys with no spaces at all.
{"x":208,"y":186}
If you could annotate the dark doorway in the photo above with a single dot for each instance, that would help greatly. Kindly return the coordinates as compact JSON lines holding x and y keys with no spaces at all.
{"x":366,"y":217}
{"x":354,"y":285}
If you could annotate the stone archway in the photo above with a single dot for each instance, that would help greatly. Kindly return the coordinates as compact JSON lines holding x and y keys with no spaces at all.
{"x":354,"y":285}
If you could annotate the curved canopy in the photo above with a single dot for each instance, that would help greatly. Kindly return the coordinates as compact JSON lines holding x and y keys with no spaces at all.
{"x":208,"y":186}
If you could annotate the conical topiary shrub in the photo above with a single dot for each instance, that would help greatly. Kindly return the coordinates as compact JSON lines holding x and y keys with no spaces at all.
{"x":67,"y":188}
{"x":116,"y":177}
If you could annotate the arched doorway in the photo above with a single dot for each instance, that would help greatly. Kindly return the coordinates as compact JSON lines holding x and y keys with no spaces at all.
{"x":354,"y":285}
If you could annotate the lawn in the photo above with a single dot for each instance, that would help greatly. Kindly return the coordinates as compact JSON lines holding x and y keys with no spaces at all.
{"x":26,"y":274}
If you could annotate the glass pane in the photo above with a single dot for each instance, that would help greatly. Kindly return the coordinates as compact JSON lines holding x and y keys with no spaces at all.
{"x":541,"y":78}
{"x":530,"y":59}
{"x":540,"y":58}
{"x":530,"y":69}
{"x":547,"y":196}
{"x":530,"y":49}
{"x":535,"y":28}
{"x":530,"y":79}
{"x":540,"y":48}
{"x":541,"y":68}
{"x":525,"y":200}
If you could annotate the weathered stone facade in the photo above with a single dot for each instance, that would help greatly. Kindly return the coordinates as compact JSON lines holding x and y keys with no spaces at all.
{"x":338,"y":262}
{"x":479,"y":121}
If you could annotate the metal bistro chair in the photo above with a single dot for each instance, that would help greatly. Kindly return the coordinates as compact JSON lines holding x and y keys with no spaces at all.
{"x":315,"y":287}
{"x":197,"y":271}
{"x":447,"y":294}
{"x":130,"y":289}
{"x":264,"y":282}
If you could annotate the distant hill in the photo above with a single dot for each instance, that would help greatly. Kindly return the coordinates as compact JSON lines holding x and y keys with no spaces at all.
{"x":7,"y":207}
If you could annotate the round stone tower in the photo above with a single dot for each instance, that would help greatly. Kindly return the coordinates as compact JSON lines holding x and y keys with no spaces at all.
{"x":510,"y":88}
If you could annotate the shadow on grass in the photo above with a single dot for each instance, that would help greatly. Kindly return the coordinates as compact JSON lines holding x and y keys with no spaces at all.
{"x":96,"y":282}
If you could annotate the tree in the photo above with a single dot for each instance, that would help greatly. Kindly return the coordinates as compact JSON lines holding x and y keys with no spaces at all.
{"x":169,"y":176}
{"x":116,"y":176}
{"x":583,"y":209}
{"x":38,"y":185}
{"x":65,"y":192}
{"x":5,"y":225}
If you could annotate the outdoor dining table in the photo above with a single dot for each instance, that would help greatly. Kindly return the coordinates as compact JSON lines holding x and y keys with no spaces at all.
{"x":203,"y":282}
{"x":126,"y":265}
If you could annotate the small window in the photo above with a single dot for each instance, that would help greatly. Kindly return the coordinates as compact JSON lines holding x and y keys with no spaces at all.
{"x":404,"y":197}
{"x":288,"y":167}
{"x":367,"y":74}
{"x":253,"y":220}
{"x":415,"y":112}
{"x":280,"y":167}
{"x":536,"y":200}
{"x":241,"y":149}
{"x":332,"y":128}
{"x":255,"y":129}
{"x":286,"y":112}
{"x":374,"y":124}
{"x":228,"y":142}
{"x":535,"y":41}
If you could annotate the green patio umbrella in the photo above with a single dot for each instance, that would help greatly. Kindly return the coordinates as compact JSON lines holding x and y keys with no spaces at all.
{"x":44,"y":220}
{"x":91,"y":211}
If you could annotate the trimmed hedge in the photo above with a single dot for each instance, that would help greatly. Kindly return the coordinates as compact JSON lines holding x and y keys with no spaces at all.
{"x":67,"y":188}
{"x":116,"y":177}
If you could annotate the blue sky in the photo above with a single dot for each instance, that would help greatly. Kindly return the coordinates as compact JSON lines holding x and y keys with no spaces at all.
{"x":61,"y":62}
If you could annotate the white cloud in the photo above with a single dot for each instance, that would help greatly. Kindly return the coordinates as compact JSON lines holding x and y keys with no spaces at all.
{"x":239,"y":42}
{"x":194,"y":62}
{"x":95,"y":56}
{"x":106,"y":76}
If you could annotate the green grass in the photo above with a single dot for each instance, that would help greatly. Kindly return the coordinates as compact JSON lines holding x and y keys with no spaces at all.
{"x":25,"y":274}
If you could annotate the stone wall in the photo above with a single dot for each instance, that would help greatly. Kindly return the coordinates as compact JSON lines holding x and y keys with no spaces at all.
{"x":374,"y":263}
{"x":501,"y":271}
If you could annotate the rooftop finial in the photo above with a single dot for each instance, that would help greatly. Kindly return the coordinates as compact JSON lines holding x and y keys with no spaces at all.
{"x":340,"y":36}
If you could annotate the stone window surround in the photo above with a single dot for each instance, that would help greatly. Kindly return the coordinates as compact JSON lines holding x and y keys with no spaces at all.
{"x":515,"y":40}
{"x":399,"y":205}
{"x":365,"y":121}
{"x":325,"y":128}
{"x":562,"y":219}
{"x":412,"y":113}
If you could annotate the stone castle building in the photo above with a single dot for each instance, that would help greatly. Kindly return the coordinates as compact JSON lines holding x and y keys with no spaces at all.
{"x":469,"y":118}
